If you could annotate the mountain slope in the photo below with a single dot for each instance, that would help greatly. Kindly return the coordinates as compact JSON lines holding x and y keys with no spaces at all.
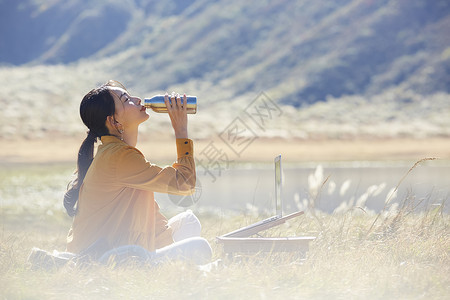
{"x":383,"y":53}
{"x":309,"y":49}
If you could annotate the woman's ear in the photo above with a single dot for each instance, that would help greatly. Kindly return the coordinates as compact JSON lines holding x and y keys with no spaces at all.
{"x":110,"y":123}
{"x":113,"y":125}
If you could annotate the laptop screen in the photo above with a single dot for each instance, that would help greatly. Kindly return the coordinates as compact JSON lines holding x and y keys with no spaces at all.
{"x":278,"y":181}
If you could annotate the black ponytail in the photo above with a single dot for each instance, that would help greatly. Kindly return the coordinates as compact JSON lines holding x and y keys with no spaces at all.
{"x":85,"y":157}
{"x":95,"y":107}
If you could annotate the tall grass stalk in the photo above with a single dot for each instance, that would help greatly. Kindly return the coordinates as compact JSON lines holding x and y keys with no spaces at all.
{"x":387,"y":202}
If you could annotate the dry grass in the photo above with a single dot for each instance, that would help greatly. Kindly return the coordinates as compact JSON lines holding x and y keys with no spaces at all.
{"x":410,"y":262}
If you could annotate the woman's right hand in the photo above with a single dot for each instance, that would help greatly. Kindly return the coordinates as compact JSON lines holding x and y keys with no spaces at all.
{"x":178,"y":114}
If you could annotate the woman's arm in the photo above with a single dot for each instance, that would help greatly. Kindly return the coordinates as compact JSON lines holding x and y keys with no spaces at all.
{"x":134,"y":171}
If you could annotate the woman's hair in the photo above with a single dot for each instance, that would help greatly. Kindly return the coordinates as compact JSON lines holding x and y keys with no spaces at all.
{"x":95,"y":107}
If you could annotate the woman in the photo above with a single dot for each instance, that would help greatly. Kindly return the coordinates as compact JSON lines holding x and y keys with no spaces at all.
{"x":112,"y":200}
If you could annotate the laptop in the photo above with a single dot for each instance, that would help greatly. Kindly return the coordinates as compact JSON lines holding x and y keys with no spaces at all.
{"x":278,"y":203}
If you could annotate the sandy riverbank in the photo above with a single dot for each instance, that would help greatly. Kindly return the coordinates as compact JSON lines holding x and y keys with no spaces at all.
{"x":260,"y":150}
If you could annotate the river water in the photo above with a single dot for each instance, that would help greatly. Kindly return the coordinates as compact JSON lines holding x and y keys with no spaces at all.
{"x":367,"y":185}
{"x":250,"y":188}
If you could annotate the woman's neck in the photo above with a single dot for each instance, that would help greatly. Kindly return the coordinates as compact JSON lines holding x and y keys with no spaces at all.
{"x":130,"y":136}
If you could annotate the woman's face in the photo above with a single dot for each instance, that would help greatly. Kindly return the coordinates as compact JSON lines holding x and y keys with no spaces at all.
{"x":129,"y":111}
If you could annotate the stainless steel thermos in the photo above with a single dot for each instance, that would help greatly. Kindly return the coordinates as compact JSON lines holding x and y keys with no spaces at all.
{"x":157,"y":104}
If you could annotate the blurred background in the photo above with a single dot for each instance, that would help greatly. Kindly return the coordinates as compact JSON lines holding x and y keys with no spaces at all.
{"x":349,"y":80}
{"x":338,"y":69}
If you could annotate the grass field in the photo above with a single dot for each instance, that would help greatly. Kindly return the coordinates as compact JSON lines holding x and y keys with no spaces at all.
{"x":399,"y":253}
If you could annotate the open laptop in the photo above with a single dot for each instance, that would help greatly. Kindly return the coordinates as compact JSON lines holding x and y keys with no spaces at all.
{"x":272,"y":221}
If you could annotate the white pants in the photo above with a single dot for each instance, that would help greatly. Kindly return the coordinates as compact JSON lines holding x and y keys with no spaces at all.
{"x":185,"y":225}
{"x":188,"y":245}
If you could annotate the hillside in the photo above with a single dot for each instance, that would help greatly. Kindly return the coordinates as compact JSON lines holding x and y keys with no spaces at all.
{"x":390,"y":56}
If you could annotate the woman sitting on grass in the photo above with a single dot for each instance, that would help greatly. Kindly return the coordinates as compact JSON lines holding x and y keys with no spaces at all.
{"x":112,"y":199}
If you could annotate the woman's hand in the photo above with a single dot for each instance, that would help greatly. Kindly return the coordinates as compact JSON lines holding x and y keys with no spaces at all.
{"x":177,"y":110}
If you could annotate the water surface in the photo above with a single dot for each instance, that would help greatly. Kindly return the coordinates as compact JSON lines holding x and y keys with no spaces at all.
{"x":252,"y":186}
{"x":244,"y":188}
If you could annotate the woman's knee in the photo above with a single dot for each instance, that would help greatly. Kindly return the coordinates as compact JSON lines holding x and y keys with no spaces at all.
{"x":185,"y":225}
{"x":192,"y":221}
